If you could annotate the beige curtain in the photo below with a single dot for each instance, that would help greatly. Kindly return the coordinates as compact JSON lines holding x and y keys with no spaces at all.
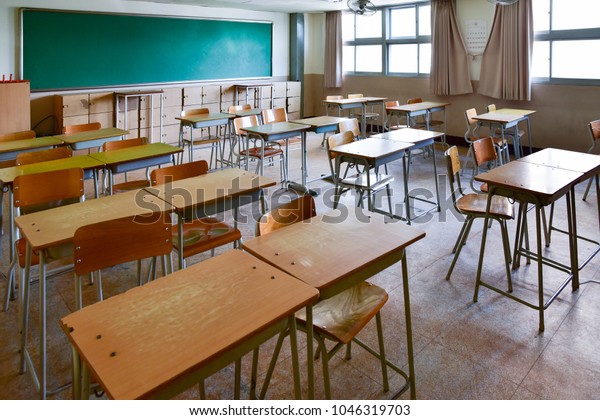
{"x":333,"y":49}
{"x":450,"y":74}
{"x":506,"y":60}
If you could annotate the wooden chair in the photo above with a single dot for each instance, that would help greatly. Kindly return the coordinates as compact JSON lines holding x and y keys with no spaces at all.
{"x":41,"y":191}
{"x":127,"y":185}
{"x":199,"y":235}
{"x":78,"y":128}
{"x":511,"y":132}
{"x":18,"y":135}
{"x":472,"y":134}
{"x":244,"y":151}
{"x":274,"y":115}
{"x":339,"y":318}
{"x":243,"y":107}
{"x":371,"y":117}
{"x":473,"y":206}
{"x":350,"y":124}
{"x":420,"y":122}
{"x":43,"y":155}
{"x":205,"y":141}
{"x":594,"y":127}
{"x":363,"y":181}
{"x":389,"y":123}
{"x":332,"y":98}
{"x":113,"y":242}
{"x":484,"y":155}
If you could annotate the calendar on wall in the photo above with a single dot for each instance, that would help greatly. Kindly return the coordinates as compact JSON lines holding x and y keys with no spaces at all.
{"x":476,"y":36}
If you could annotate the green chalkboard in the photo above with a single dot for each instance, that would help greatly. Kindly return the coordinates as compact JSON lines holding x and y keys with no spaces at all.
{"x":69,"y":50}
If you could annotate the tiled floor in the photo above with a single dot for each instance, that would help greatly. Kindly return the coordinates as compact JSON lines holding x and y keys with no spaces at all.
{"x":463,"y":350}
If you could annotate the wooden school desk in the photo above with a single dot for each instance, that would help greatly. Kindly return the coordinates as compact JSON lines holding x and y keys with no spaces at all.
{"x":211,"y":193}
{"x":213,"y":119}
{"x":355,"y":103}
{"x":504,"y":121}
{"x":334,"y":252}
{"x":137,"y":157}
{"x":10,"y":149}
{"x":524,"y":113}
{"x":539,"y":185}
{"x":419,"y":139}
{"x":57,"y":226}
{"x":159,"y":339}
{"x":283,"y":131}
{"x":425,"y":108}
{"x":93,"y":138}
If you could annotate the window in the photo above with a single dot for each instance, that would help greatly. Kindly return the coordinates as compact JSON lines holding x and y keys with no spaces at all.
{"x":395,"y":40}
{"x":566,"y":36}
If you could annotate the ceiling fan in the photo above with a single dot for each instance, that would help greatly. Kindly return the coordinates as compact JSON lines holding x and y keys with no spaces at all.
{"x":503,"y":2}
{"x":362,"y":7}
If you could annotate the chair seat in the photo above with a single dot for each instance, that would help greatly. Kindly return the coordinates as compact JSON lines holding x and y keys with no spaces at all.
{"x":208,"y":140}
{"x":204,"y":234}
{"x":255,"y":152}
{"x":477,"y":203}
{"x":130,"y":185}
{"x":343,"y":316}
{"x":378,"y":181}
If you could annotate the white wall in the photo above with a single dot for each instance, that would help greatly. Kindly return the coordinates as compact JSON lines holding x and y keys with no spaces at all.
{"x":9,"y":26}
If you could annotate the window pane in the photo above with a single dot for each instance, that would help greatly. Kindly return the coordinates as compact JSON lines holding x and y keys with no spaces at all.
{"x":540,"y":59}
{"x":368,"y":58}
{"x":569,"y":14}
{"x":424,"y":20}
{"x":425,"y":58}
{"x":541,"y":15}
{"x":403,"y":23}
{"x":369,"y":26}
{"x":571,"y":59}
{"x":403,"y":58}
{"x":348,"y":58}
{"x":347,"y":26}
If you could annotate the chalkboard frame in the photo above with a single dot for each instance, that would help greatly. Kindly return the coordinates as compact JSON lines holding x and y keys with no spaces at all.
{"x":231,"y":49}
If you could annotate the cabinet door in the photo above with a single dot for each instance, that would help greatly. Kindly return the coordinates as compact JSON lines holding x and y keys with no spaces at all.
{"x":293,"y":104}
{"x":225,"y":106}
{"x":101,"y":103}
{"x":192,"y":96}
{"x":106,"y":119}
{"x":293,"y":89}
{"x":227,"y":93}
{"x":172,"y":97}
{"x":74,"y":105}
{"x":211,"y":94}
{"x":169,"y":115}
{"x":279,"y":89}
{"x":279,"y":103}
{"x":77,"y":119}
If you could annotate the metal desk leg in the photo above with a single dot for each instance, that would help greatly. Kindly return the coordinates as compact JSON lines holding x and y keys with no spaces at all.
{"x":407,"y":316}
{"x":310,"y":353}
{"x":540,"y":265}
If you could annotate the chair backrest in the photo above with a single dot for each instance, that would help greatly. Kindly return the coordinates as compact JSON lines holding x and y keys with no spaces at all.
{"x":414,"y":101}
{"x":196,"y":111}
{"x":334,"y":97}
{"x":34,"y":192}
{"x":453,"y":167}
{"x":470,"y":134}
{"x":118,"y":241}
{"x":355,"y":95}
{"x":484,"y":151}
{"x":299,"y":209}
{"x":244,"y":107}
{"x":240,"y":122}
{"x":124,"y":144}
{"x":389,"y":104}
{"x":78,"y":128}
{"x":349,"y":125}
{"x":43,"y":155}
{"x":595,"y":133}
{"x":274,"y":115}
{"x":490,"y":108}
{"x":339,"y":139}
{"x":177,"y":172}
{"x":18,"y":135}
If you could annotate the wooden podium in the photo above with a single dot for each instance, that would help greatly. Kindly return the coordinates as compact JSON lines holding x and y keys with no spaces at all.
{"x":15,"y":108}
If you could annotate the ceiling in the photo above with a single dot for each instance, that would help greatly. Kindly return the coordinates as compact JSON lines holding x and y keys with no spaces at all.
{"x":284,"y":6}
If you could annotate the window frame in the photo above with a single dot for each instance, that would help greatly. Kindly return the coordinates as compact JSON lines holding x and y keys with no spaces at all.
{"x":551,"y":36}
{"x":385,"y":41}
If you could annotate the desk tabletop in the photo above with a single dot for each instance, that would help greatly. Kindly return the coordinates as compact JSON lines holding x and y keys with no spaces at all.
{"x":135,"y":153}
{"x":419,"y":106}
{"x":58,"y":225}
{"x":277,"y":128}
{"x":213,"y":116}
{"x":29,"y":144}
{"x":8,"y":175}
{"x":372,"y":148}
{"x":515,"y":111}
{"x":196,"y":314}
{"x":321,"y":121}
{"x":247,"y":112}
{"x":544,"y":182}
{"x":209,"y":188}
{"x":345,"y":101}
{"x":102,"y":133}
{"x":585,"y":163}
{"x":328,"y":249}
{"x":498,"y":117}
{"x":408,"y":135}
